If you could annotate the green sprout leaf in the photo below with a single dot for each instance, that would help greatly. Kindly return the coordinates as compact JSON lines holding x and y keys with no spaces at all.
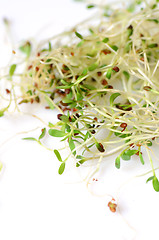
{"x":79,"y":35}
{"x":153,"y":45}
{"x":90,"y":6}
{"x":117,"y":162}
{"x":80,"y":162}
{"x":64,"y":118}
{"x":65,"y":87}
{"x":150,"y":179}
{"x":100,"y":147}
{"x":127,"y":154}
{"x":61,"y":168}
{"x":58,"y":155}
{"x":113,"y":97}
{"x":88,"y":135}
{"x":131,"y":152}
{"x":115,"y":48}
{"x":153,"y":20}
{"x":105,"y":40}
{"x":84,"y":73}
{"x":80,"y":43}
{"x":26,"y":48}
{"x":12,"y":69}
{"x":50,"y":47}
{"x":149,"y":143}
{"x":119,"y":134}
{"x":49,"y":102}
{"x":93,"y":67}
{"x":155,"y":184}
{"x":90,"y":87}
{"x":43,"y":133}
{"x":72,"y":146}
{"x":125,"y":157}
{"x":109,"y":73}
{"x":1,"y":113}
{"x":79,"y":96}
{"x":130,"y":30}
{"x":56,"y":133}
{"x":126,"y":74}
{"x":30,"y":139}
{"x":141,"y":158}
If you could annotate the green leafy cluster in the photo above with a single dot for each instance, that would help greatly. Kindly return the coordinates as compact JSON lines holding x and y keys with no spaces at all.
{"x":102,"y":80}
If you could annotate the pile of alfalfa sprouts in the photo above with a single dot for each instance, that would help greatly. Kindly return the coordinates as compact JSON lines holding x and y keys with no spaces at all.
{"x":102,"y":77}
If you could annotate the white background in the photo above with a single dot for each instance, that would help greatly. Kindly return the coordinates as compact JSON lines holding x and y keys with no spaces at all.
{"x":37,"y":203}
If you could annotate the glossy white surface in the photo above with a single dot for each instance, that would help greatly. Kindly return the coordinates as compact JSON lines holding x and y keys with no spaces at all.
{"x":35,"y":202}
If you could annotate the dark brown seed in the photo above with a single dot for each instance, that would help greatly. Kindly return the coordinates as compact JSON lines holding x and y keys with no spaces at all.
{"x":64,"y":71}
{"x":119,"y":107}
{"x":63,"y":104}
{"x":59,"y":116}
{"x":130,"y":27}
{"x":38,"y":54}
{"x":66,"y":109}
{"x":116,"y":69}
{"x":53,"y":76}
{"x":128,"y":109}
{"x":75,"y":134}
{"x":60,"y":92}
{"x":147,"y":88}
{"x":99,"y":74}
{"x":51,"y":66}
{"x":95,"y":119}
{"x":110,"y":87}
{"x":106,"y":51}
{"x":7,"y":91}
{"x":37,"y":69}
{"x":123,"y":125}
{"x":36,"y":85}
{"x":47,"y":107}
{"x":65,"y":67}
{"x":67,"y":91}
{"x":104,"y":82}
{"x":70,"y":119}
{"x":29,"y":67}
{"x":52,"y":96}
{"x":93,"y":131}
{"x":142,"y":59}
{"x":100,"y":147}
{"x":37,"y":99}
{"x":77,"y":115}
{"x":131,"y":145}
